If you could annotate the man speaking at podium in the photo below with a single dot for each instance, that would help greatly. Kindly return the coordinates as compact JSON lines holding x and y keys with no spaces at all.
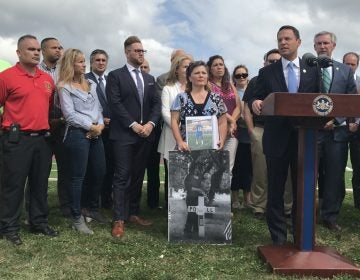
{"x":333,"y":147}
{"x":290,"y":74}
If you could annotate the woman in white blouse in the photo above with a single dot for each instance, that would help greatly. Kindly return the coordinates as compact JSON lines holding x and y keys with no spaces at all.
{"x":175,"y":83}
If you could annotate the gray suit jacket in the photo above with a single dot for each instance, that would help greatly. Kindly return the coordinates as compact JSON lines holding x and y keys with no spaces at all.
{"x":342,"y":82}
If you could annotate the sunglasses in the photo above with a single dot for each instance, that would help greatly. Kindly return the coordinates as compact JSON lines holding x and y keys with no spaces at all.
{"x":140,"y":51}
{"x":243,"y":75}
{"x":273,"y":60}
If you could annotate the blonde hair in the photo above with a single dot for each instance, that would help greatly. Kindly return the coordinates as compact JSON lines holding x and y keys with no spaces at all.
{"x":66,"y":72}
{"x":175,"y":64}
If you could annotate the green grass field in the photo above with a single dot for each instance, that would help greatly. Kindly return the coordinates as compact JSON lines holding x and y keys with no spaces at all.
{"x":146,"y":254}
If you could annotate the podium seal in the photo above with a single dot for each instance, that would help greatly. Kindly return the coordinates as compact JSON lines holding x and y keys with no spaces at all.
{"x":322,"y":105}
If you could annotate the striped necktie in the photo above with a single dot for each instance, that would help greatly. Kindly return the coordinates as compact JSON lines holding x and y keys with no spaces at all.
{"x":326,"y":80}
{"x":292,"y":79}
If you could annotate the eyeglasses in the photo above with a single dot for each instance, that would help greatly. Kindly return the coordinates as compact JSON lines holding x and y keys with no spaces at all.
{"x":273,"y":60}
{"x":140,"y":51}
{"x":242,"y":75}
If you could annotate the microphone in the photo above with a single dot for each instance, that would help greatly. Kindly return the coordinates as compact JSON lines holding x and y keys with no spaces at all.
{"x":323,"y":61}
{"x":310,"y":59}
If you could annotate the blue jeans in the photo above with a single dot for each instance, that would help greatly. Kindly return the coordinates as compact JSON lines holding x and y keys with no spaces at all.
{"x":84,"y":155}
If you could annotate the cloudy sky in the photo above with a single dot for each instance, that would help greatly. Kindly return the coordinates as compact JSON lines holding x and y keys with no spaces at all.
{"x":239,"y":30}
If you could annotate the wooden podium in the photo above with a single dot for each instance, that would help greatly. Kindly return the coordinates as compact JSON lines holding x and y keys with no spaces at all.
{"x":309,"y":112}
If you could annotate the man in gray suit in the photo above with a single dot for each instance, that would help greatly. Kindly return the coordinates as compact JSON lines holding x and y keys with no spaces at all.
{"x":333,"y":139}
{"x":98,"y":65}
{"x":352,"y":59}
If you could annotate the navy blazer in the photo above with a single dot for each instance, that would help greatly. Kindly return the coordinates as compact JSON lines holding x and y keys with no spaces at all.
{"x":277,"y":130}
{"x":100,"y":94}
{"x":125,"y":106}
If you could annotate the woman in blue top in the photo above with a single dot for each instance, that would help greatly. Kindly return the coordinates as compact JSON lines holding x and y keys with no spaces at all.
{"x":197,"y":100}
{"x":84,"y":124}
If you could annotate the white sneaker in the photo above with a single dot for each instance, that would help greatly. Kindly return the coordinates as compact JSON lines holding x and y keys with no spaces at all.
{"x":80,"y":226}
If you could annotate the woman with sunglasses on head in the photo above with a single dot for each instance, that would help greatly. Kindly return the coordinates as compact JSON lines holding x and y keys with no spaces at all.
{"x":219,"y":81}
{"x":242,"y":171}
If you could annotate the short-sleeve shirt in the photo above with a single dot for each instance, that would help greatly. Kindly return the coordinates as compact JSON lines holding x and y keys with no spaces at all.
{"x":26,"y":98}
{"x":185,"y":105}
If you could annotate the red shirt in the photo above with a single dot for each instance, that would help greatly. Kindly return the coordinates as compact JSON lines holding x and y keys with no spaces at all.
{"x":26,"y":99}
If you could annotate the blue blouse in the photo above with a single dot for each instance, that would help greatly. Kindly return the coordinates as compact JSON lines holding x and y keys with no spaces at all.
{"x":80,"y":109}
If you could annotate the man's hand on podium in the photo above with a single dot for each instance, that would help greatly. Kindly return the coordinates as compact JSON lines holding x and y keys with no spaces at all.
{"x":353,"y":127}
{"x":257,"y":106}
{"x":329,"y":125}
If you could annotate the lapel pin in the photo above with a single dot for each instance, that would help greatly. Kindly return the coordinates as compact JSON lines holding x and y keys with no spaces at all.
{"x":304,"y":70}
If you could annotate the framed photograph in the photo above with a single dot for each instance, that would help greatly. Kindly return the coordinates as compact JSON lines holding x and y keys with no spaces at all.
{"x":202,"y":132}
{"x":199,"y":197}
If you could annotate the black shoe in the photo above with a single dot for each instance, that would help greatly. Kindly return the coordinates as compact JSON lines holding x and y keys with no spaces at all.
{"x":259,"y":215}
{"x":48,"y":231}
{"x":332,"y":226}
{"x":95,"y":215}
{"x":14,"y":238}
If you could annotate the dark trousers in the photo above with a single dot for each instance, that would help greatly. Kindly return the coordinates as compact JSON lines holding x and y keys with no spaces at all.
{"x":129,"y":161}
{"x":86,"y":156}
{"x":166,"y":183}
{"x":333,"y":158}
{"x":242,"y":170}
{"x":63,"y":174}
{"x":105,"y":198}
{"x":277,"y":170}
{"x":355,"y":162}
{"x":153,"y":171}
{"x":29,"y":158}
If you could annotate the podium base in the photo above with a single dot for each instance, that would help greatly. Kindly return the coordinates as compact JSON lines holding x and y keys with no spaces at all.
{"x":322,"y":261}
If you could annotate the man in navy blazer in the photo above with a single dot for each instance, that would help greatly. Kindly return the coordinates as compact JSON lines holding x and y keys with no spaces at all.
{"x":135,"y":110}
{"x":280,"y":136}
{"x":98,"y":65}
{"x":333,"y":147}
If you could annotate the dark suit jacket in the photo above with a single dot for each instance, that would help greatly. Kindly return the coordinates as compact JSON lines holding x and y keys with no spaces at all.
{"x":103,"y":101}
{"x":125,"y":106}
{"x":277,"y":130}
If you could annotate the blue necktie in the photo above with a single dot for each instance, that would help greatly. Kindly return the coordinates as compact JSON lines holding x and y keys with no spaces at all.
{"x":139,"y":85}
{"x":292,"y":80}
{"x":102,"y":86}
{"x":326,"y":80}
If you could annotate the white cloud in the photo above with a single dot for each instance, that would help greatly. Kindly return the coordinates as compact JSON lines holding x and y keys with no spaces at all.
{"x":239,"y":30}
{"x":8,"y":49}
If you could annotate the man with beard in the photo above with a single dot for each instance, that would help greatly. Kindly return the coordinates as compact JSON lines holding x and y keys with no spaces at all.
{"x":135,"y":109}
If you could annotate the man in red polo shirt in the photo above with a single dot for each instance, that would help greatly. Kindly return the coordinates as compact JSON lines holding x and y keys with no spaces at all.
{"x":25,"y":93}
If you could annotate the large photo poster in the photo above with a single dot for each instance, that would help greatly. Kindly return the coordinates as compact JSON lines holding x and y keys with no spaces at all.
{"x":199,"y":197}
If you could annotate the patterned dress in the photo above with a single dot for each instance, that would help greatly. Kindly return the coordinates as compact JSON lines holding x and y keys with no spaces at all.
{"x":185,"y":105}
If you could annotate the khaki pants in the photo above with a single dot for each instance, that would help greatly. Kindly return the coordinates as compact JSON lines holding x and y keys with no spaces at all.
{"x":259,"y":183}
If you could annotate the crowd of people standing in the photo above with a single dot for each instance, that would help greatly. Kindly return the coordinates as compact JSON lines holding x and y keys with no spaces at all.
{"x":106,"y":130}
